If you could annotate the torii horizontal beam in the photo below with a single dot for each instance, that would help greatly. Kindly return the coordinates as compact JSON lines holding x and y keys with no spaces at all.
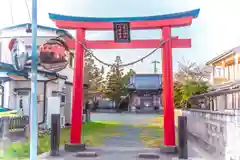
{"x":134,"y":44}
{"x":134,"y":25}
{"x":148,"y":22}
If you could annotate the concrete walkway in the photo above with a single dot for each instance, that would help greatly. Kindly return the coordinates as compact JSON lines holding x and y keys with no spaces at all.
{"x":128,"y":145}
{"x":129,"y":137}
{"x":127,"y":153}
{"x":109,"y":153}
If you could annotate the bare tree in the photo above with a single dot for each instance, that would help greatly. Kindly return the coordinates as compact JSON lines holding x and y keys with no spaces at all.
{"x":192,"y":71}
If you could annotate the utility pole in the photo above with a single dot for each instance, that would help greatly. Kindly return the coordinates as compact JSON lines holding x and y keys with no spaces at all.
{"x":33,"y":109}
{"x":155,"y":66}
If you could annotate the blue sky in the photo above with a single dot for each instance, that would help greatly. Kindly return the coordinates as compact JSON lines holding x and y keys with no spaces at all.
{"x":215,"y":31}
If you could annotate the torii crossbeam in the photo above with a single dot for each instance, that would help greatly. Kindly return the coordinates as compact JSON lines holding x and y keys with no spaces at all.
{"x":164,"y":22}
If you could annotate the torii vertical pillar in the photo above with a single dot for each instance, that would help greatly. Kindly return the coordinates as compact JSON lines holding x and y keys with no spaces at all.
{"x":77,"y":95}
{"x":168,"y":103}
{"x":165,"y":22}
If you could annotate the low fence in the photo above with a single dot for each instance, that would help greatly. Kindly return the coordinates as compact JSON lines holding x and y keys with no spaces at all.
{"x":216,"y":132}
{"x":18,"y":122}
{"x":12,"y":123}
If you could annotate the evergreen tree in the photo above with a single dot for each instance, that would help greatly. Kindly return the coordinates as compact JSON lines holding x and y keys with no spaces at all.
{"x":125,"y":81}
{"x":114,"y":85}
{"x":94,"y":74}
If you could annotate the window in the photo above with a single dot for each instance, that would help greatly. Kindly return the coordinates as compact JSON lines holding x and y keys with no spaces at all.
{"x":54,"y":93}
{"x":63,"y":99}
{"x":29,"y":46}
{"x":61,"y":95}
{"x":219,"y":72}
{"x":71,"y":61}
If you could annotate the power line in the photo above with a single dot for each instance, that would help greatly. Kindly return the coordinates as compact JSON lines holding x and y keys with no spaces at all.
{"x":11,"y":11}
{"x":29,"y":14}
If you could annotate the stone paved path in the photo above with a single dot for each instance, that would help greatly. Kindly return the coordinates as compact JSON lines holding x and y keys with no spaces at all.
{"x":124,"y":118}
{"x":129,"y":137}
{"x":127,"y":153}
{"x":111,"y":153}
{"x":127,"y":145}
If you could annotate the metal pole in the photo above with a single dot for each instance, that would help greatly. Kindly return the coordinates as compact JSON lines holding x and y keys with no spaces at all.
{"x":155,"y":66}
{"x":33,"y":109}
{"x":182,"y":137}
{"x":55,"y":134}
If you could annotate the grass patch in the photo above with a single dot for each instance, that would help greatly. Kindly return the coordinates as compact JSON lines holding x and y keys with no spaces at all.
{"x":94,"y":134}
{"x":152,"y":134}
{"x":152,"y":137}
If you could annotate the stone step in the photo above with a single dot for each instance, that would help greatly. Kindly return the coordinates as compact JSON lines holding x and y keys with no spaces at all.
{"x":86,"y":154}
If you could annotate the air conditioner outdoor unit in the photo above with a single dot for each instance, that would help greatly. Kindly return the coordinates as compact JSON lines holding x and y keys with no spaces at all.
{"x":53,"y":105}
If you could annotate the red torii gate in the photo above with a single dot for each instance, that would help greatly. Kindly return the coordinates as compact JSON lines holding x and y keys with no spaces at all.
{"x":164,"y":22}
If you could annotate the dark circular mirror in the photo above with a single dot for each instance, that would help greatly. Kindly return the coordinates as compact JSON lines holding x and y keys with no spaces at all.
{"x":54,"y":55}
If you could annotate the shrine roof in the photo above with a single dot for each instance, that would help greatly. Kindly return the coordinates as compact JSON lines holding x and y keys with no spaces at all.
{"x":145,"y":81}
{"x":191,"y":13}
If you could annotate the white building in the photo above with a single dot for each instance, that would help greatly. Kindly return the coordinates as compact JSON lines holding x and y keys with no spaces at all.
{"x":15,"y":86}
{"x":226,"y":67}
{"x":225,"y":80}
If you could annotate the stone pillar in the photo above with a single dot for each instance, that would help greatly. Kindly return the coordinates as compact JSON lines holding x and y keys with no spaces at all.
{"x":232,"y":136}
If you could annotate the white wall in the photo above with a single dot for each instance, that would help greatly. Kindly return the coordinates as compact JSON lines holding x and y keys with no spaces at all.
{"x":67,"y":72}
{"x":10,"y":98}
{"x":6,"y":94}
{"x":26,"y":84}
{"x":43,"y":36}
{"x":215,"y":132}
{"x":5,"y":56}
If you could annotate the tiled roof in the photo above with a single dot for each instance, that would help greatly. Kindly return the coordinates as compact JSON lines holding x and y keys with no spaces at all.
{"x":145,"y":82}
{"x":57,"y":30}
{"x":227,"y":53}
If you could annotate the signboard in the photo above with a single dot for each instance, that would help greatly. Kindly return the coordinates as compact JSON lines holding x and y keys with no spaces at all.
{"x":122,"y":32}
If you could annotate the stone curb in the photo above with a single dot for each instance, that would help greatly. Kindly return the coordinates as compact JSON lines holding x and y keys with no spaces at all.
{"x":149,"y":155}
{"x":86,"y":154}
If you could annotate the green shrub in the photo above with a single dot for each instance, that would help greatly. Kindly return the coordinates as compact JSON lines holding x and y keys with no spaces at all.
{"x":183,"y":91}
